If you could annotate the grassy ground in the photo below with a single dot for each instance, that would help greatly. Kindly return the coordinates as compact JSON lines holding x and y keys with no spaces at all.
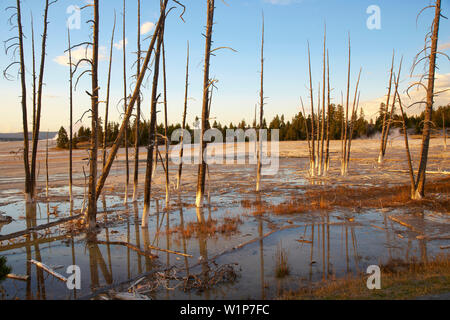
{"x":399,"y":281}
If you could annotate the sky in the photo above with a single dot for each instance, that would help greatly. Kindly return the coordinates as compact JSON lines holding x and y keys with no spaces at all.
{"x":289,"y":25}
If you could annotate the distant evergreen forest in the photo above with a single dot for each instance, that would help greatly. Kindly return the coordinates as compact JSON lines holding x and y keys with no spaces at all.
{"x":291,"y":130}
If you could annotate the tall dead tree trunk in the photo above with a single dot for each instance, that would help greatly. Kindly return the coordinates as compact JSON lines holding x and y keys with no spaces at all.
{"x":34,"y":72}
{"x":444,"y":130}
{"x":344,"y":154}
{"x":46,"y":168}
{"x":39,"y":101}
{"x":205,"y":120}
{"x":312,"y":164}
{"x":166,"y":139}
{"x":385,"y":111}
{"x":261,"y":115}
{"x":138,"y":110}
{"x":352,"y":123}
{"x":307,"y":131}
{"x":92,"y":199}
{"x":322,"y":138}
{"x":327,"y":154}
{"x":153,"y":138}
{"x":134,"y":97}
{"x":71,"y":118}
{"x":180,"y":167}
{"x":421,"y":175}
{"x":108,"y":90}
{"x":127,"y":166}
{"x":26,"y":161}
{"x":391,"y":114}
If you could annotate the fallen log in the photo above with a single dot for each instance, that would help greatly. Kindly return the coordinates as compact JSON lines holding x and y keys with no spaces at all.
{"x":49,"y":270}
{"x":130,"y":246}
{"x":17,"y":277}
{"x":38,"y":228}
{"x":170,"y":251}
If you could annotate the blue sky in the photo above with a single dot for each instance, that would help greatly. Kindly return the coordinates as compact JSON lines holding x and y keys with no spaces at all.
{"x":289,"y":24}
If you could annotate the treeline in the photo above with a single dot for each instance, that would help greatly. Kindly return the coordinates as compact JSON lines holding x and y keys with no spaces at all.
{"x":291,"y":130}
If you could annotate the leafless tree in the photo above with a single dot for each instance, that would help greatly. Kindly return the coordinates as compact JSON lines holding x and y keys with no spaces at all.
{"x":153,"y":139}
{"x":311,"y":93}
{"x":138,"y":109}
{"x":432,"y":45}
{"x":166,"y":138}
{"x":261,"y":114}
{"x":205,"y":116}
{"x":127,"y":166}
{"x":180,"y":167}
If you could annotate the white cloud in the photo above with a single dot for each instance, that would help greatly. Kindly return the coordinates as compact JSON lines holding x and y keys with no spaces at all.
{"x":78,"y":54}
{"x":442,"y":82}
{"x":147,"y":27}
{"x":444,"y":46}
{"x":119,"y":45}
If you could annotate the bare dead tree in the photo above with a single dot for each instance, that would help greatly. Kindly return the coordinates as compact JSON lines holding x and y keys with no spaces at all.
{"x":92,"y":199}
{"x":127,"y":166}
{"x":34,"y":72}
{"x":322,"y":138}
{"x":434,"y":35}
{"x":344,"y":154}
{"x":167,"y":144}
{"x":153,"y":139}
{"x":391,"y":115}
{"x":39,"y":99}
{"x":313,"y":159}
{"x":385,"y":112}
{"x":138,"y":109}
{"x":444,"y":131}
{"x":71,"y":117}
{"x":307,"y":131}
{"x":261,"y":114}
{"x":352,"y":123}
{"x":180,"y":167}
{"x":327,"y":154}
{"x":205,"y":117}
{"x":28,"y":182}
{"x":134,"y":97}
{"x":46,"y":168}
{"x":108,"y":90}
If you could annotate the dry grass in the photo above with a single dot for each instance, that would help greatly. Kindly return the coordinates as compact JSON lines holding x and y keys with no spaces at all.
{"x":399,"y":281}
{"x":281,"y":262}
{"x":227,"y":227}
{"x":358,"y":198}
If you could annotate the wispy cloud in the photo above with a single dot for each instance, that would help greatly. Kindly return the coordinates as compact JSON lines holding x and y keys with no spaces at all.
{"x":282,"y":2}
{"x":79,"y":54}
{"x":444,"y":46}
{"x":119,"y":45}
{"x":147,"y":27}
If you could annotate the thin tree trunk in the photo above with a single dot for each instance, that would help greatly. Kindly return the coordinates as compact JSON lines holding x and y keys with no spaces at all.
{"x":313,"y":160}
{"x":153,"y":138}
{"x":327,"y":154}
{"x":421,"y":175}
{"x":180,"y":167}
{"x":383,"y":132}
{"x":115,"y":146}
{"x":46,"y":167}
{"x":444,"y":131}
{"x":26,"y":161}
{"x":391,"y":115}
{"x":261,"y":114}
{"x":71,"y":118}
{"x":138,"y":110}
{"x":307,"y":132}
{"x":408,"y":153}
{"x":344,"y":155}
{"x":34,"y":72}
{"x":318,"y":129}
{"x":322,"y":139}
{"x":108,"y":89}
{"x":166,"y":126}
{"x":39,"y":103}
{"x":352,"y":127}
{"x":352,"y":124}
{"x":92,"y":199}
{"x":206,"y":84}
{"x":127,"y":166}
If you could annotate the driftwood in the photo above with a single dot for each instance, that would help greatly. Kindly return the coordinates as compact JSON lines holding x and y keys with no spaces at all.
{"x":129,"y":245}
{"x":170,"y":251}
{"x":17,"y":277}
{"x":49,"y":270}
{"x":41,"y":227}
